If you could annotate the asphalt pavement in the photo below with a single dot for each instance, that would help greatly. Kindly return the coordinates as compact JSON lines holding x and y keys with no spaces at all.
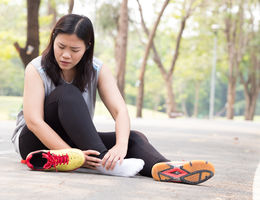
{"x":232,"y":146}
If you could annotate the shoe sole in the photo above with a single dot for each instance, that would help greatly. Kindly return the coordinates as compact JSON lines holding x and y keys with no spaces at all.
{"x":193,"y":172}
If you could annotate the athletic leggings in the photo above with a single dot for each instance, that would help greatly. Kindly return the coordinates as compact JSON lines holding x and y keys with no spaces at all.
{"x":66,"y":112}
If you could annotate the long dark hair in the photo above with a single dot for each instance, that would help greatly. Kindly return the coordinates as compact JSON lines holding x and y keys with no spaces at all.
{"x":82,"y":27}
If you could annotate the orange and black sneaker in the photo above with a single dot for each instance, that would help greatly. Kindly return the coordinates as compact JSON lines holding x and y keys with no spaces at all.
{"x":193,"y":172}
{"x":59,"y":160}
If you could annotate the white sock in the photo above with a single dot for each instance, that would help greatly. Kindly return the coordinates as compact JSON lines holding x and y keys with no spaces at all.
{"x":129,"y":167}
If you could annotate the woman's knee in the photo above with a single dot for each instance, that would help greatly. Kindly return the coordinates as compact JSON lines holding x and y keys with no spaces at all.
{"x":70,"y":89}
{"x":61,"y":92}
{"x":136,"y":136}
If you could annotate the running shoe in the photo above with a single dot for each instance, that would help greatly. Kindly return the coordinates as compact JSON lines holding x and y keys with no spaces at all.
{"x":59,"y":160}
{"x":193,"y":172}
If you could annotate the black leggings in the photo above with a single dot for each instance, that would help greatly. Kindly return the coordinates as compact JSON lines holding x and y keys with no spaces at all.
{"x":66,"y":112}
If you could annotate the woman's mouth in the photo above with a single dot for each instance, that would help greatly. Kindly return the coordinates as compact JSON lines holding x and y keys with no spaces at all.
{"x":64,"y":62}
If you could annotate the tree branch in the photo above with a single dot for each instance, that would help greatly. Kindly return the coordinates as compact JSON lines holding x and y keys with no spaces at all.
{"x":182,"y":27}
{"x":151,"y":36}
{"x":156,"y":56}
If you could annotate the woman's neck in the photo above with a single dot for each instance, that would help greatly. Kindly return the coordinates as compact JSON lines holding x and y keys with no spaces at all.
{"x":68,"y":76}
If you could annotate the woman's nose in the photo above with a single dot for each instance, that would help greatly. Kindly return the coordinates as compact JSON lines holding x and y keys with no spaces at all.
{"x":66,"y":54}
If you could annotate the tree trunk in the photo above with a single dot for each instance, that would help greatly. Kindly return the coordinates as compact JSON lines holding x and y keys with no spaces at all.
{"x":231,"y":96}
{"x":232,"y":68}
{"x":139,"y":101}
{"x":52,"y":11}
{"x":184,"y":109}
{"x":170,"y":99}
{"x":196,"y":101}
{"x":71,"y":6}
{"x":250,"y":106}
{"x":31,"y":49}
{"x":236,"y":42}
{"x":121,"y":47}
{"x":252,"y":85}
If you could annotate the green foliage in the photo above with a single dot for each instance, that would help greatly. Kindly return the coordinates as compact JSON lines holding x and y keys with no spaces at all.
{"x":11,"y":77}
{"x":9,"y":107}
{"x":11,"y":68}
{"x":10,"y":26}
{"x":107,"y":16}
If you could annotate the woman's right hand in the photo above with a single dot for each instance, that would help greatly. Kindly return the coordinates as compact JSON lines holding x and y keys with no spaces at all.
{"x":91,"y":162}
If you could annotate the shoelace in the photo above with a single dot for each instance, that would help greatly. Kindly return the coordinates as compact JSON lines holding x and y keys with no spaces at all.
{"x":53,"y":160}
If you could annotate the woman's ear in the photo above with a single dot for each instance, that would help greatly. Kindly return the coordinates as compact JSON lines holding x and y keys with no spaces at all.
{"x":89,"y":45}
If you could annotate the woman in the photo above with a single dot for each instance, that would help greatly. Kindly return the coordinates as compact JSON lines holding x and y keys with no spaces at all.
{"x":59,"y":98}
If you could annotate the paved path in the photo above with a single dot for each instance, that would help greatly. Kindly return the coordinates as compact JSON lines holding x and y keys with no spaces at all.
{"x":233,"y":147}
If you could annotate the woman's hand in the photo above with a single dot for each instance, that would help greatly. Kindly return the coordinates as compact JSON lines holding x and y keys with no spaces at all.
{"x":91,"y":162}
{"x":117,"y":152}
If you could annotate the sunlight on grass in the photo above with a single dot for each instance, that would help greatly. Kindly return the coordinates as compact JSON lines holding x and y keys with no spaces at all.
{"x":101,"y":110}
{"x":10,"y":106}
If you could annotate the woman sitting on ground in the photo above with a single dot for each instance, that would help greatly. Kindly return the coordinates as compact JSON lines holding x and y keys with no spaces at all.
{"x":58,"y":106}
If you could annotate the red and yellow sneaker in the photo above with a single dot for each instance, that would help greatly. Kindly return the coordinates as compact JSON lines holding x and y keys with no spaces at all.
{"x":59,"y":160}
{"x":193,"y":172}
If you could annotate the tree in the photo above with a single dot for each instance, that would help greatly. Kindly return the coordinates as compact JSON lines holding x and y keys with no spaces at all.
{"x":121,"y":46}
{"x":113,"y":20}
{"x":236,"y":43}
{"x":249,"y":72}
{"x":31,"y":49}
{"x":139,"y":102}
{"x":71,"y":6}
{"x":53,"y":12}
{"x":167,"y":75}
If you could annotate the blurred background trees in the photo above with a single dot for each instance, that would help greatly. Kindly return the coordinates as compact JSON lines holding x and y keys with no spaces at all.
{"x":176,"y":75}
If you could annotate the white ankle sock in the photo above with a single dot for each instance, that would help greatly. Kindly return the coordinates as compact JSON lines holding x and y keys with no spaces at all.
{"x":129,"y":167}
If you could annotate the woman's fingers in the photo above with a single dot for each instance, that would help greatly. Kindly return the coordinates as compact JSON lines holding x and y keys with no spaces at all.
{"x":113,"y":164}
{"x":91,"y":152}
{"x":90,"y":159}
{"x":105,"y":158}
{"x":121,"y":160}
{"x":93,"y":159}
{"x":109,"y":161}
{"x":94,"y":164}
{"x":90,"y":166}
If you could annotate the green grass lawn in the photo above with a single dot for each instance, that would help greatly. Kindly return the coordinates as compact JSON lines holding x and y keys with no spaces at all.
{"x":100,"y":110}
{"x":10,"y":106}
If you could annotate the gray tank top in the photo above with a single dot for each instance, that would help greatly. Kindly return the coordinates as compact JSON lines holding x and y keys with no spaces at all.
{"x":89,"y":94}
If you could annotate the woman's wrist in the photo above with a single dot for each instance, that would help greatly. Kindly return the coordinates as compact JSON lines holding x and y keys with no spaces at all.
{"x":122,"y":143}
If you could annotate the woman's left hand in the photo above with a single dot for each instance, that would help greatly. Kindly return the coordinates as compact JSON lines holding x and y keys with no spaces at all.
{"x":117,"y":152}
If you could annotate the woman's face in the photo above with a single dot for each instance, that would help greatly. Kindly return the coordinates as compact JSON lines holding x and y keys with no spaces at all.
{"x":68,"y":50}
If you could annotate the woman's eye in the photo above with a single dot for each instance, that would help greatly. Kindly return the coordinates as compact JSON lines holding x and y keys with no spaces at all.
{"x":75,"y":51}
{"x":61,"y":47}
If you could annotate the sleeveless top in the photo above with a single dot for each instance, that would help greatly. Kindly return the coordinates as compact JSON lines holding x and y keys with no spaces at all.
{"x":89,"y":94}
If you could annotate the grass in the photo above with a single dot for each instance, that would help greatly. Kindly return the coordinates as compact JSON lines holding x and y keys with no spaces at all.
{"x":101,"y":110}
{"x":10,"y":106}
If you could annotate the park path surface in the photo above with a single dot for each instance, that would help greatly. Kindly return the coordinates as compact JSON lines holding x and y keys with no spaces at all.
{"x":232,"y":146}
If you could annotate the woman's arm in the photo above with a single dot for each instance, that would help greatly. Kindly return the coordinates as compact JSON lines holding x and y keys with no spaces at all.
{"x":115,"y":103}
{"x":33,"y":107}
